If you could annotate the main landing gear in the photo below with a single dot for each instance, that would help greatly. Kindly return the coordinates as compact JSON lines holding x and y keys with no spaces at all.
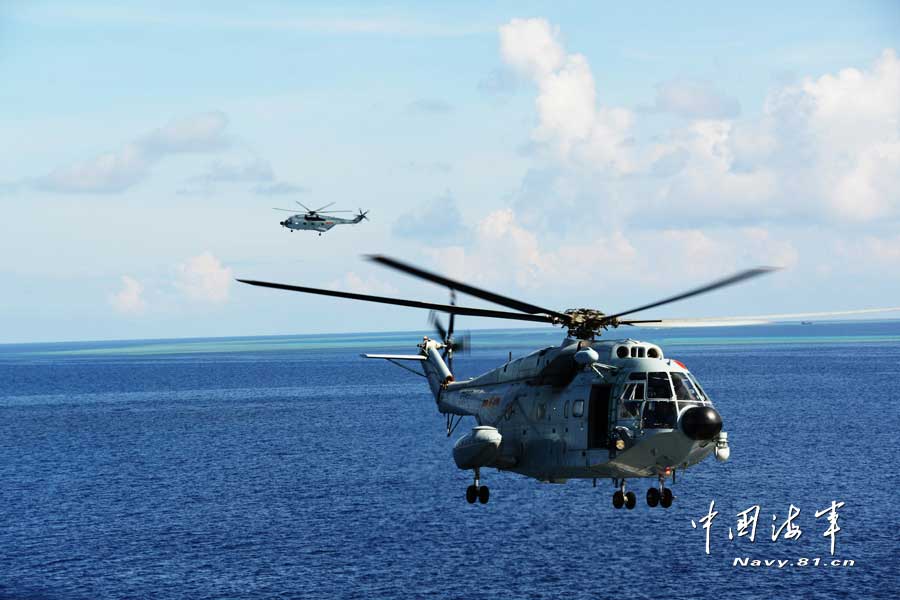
{"x":479,"y":492}
{"x":622,"y":498}
{"x":660,"y":495}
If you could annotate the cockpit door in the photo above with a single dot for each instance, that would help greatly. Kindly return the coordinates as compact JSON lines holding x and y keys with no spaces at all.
{"x":598,"y":416}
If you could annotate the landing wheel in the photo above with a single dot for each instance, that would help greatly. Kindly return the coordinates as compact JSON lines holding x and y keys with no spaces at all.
{"x":484,"y":494}
{"x":630,"y":500}
{"x":667,"y":497}
{"x":618,"y":499}
{"x":472,"y":494}
{"x":652,"y":497}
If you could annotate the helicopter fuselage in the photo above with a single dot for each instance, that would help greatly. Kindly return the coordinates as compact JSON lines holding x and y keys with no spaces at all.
{"x":583,"y":410}
{"x":316,"y":222}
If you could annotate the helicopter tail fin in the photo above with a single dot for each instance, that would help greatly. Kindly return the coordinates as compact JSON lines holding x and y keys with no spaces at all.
{"x":434,"y":368}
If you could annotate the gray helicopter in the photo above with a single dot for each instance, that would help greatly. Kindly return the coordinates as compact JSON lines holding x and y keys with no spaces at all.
{"x":585,"y":409}
{"x":319,"y":219}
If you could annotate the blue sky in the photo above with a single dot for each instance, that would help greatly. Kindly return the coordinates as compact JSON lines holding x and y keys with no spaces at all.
{"x":573,"y":154}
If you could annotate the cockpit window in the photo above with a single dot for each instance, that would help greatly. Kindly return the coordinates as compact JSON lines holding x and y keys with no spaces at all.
{"x":699,"y":387}
{"x":660,"y":415}
{"x":633,"y":391}
{"x":658,"y":385}
{"x":630,"y":400}
{"x":638,"y":376}
{"x":684,"y":388}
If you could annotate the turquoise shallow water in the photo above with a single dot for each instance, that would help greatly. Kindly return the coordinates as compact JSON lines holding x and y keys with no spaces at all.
{"x":816,"y":333}
{"x":289,"y":467}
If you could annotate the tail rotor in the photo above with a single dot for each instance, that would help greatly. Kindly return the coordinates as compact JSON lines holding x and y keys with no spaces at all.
{"x":451,"y":344}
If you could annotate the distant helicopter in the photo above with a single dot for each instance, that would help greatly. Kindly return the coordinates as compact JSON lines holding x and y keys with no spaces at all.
{"x":318,"y":219}
{"x":585,"y":409}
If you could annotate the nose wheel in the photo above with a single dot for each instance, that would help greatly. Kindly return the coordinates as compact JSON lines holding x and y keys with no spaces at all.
{"x":622,"y":498}
{"x":478,"y":492}
{"x":660,"y":495}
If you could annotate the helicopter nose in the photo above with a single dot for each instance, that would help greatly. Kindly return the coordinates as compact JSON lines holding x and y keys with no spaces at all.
{"x":701,"y":423}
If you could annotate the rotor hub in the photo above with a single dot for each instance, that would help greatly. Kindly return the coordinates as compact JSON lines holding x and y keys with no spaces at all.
{"x":585,"y":323}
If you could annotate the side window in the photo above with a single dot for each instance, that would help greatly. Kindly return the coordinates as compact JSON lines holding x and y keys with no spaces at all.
{"x":578,"y":408}
{"x":630,"y":401}
{"x":633,"y":391}
{"x":684,"y":389}
{"x":658,"y":385}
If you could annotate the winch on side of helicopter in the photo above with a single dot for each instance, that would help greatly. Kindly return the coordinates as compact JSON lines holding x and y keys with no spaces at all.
{"x":318,"y":219}
{"x":585,"y":409}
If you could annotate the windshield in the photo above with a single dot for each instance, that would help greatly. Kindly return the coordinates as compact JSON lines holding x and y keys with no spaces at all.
{"x":658,"y":385}
{"x":660,"y":415}
{"x":684,"y":388}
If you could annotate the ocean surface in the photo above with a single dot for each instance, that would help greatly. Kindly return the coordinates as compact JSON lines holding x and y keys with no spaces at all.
{"x":289,"y":467}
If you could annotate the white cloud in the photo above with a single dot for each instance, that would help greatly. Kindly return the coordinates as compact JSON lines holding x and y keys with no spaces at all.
{"x":116,"y":171}
{"x":569,"y":119}
{"x":198,"y":133}
{"x":203,"y":278}
{"x":352,"y":282}
{"x":826,"y":149}
{"x":435,"y":221}
{"x":694,"y":100}
{"x":130,"y":299}
{"x":108,"y":173}
{"x":505,"y":254}
{"x":253,"y":169}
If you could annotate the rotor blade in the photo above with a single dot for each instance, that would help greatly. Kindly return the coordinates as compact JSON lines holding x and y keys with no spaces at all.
{"x":305,"y":207}
{"x":459,"y":310}
{"x":465,"y":288}
{"x":330,"y":212}
{"x":763,"y":319}
{"x":290,"y":210}
{"x":436,"y":323}
{"x":736,"y":278}
{"x":452,"y":316}
{"x":326,"y":206}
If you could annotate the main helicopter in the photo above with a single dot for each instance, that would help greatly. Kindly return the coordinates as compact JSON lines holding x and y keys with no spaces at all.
{"x":586,"y":409}
{"x":318,"y":219}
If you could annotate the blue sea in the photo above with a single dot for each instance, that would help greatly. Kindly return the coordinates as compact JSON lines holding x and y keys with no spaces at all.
{"x":289,"y":467}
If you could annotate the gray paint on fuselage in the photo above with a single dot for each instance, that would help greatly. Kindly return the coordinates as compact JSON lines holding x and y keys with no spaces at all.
{"x":530,"y":400}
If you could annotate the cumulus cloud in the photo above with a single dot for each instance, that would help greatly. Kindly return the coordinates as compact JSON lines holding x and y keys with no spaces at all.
{"x":203,"y":278}
{"x":204,"y":132}
{"x":826,"y":149}
{"x":438,"y":221}
{"x":507,"y":255}
{"x":694,"y":100}
{"x":129,"y":299}
{"x":570,"y":121}
{"x":116,"y":171}
{"x":200,"y":280}
{"x":352,"y":282}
